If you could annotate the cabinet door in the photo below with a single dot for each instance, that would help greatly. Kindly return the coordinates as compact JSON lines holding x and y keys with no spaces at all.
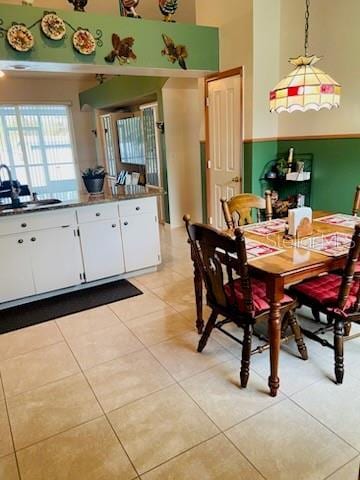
{"x":140,"y":234}
{"x":102,"y":249}
{"x":16,"y":280}
{"x":56,"y":259}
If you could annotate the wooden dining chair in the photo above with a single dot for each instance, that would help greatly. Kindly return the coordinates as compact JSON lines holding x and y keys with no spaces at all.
{"x":338,"y":297}
{"x":356,"y":206}
{"x":233,"y":294}
{"x":238,"y":210}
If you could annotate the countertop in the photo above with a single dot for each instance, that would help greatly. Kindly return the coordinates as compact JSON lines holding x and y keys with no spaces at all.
{"x":122,"y":193}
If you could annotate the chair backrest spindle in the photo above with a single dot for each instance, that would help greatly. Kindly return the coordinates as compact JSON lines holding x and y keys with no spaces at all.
{"x":348,"y":275}
{"x":217,"y":256}
{"x":356,"y":207}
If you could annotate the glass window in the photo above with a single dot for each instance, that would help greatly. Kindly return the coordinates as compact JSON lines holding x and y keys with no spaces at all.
{"x":36,"y":143}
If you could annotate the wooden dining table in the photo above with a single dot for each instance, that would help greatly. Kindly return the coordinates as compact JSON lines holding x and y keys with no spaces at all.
{"x":291,"y":265}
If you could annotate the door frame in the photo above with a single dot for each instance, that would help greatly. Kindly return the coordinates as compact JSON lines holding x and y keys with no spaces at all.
{"x":239,"y":71}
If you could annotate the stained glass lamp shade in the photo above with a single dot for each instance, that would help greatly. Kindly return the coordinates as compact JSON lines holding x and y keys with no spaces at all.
{"x":305,"y":88}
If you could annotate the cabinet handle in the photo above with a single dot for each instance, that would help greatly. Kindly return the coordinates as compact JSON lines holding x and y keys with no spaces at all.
{"x":137,"y":208}
{"x":113,"y":225}
{"x":98,"y":214}
{"x":20,"y":240}
{"x":33,"y":239}
{"x":126,"y":224}
{"x":23,"y":225}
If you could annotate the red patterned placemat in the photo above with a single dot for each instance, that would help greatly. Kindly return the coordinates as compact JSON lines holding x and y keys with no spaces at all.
{"x":340,"y":219}
{"x":266,"y":228}
{"x":256,"y":250}
{"x":332,"y":244}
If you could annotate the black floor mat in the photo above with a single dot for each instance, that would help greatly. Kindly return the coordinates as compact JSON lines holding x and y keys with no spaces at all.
{"x":41,"y":311}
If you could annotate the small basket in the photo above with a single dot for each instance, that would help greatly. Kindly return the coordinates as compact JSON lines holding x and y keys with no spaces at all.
{"x":94,"y":185}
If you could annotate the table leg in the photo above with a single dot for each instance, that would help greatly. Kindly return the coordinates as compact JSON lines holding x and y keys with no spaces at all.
{"x":198,"y":286}
{"x":275,"y":292}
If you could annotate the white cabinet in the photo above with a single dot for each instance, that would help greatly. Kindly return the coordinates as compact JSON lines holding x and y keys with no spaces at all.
{"x":16,"y":280}
{"x":48,"y":251}
{"x":39,"y":262}
{"x":102,"y":249}
{"x":56,"y":259}
{"x":141,"y":242}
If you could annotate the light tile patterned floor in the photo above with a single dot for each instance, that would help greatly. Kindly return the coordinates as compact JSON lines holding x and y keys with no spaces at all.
{"x":119,"y":392}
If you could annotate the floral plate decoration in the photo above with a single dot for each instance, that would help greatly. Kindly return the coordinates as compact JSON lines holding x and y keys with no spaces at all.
{"x":84,"y":42}
{"x":53,"y":26}
{"x":20,"y":38}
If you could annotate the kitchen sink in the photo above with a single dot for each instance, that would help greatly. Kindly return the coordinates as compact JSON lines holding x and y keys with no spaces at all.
{"x":43,"y":203}
{"x":31,"y":205}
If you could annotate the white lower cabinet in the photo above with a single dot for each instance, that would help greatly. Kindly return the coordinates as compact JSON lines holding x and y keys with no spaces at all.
{"x":56,"y":259}
{"x":39,"y":262}
{"x":48,"y":251}
{"x":141,"y":241}
{"x":16,"y":279}
{"x":102,"y":249}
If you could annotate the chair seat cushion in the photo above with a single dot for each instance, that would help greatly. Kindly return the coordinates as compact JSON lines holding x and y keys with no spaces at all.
{"x":260,"y":302}
{"x":324,"y":291}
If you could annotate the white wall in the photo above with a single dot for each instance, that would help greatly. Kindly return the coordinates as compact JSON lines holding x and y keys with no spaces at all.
{"x":47,"y":90}
{"x":266,"y":35}
{"x":235,"y":21}
{"x":182,"y":124}
{"x":147,"y":8}
{"x":335,"y":35}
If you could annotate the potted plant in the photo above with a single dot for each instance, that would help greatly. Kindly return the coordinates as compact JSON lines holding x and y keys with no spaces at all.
{"x":94,"y":179}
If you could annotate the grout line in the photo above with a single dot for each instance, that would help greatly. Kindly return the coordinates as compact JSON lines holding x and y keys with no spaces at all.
{"x":245,"y":456}
{"x":182,"y":453}
{"x":342,"y":466}
{"x":104,"y":413}
{"x":325,"y":426}
{"x":52,"y":382}
{"x":30,"y":351}
{"x":59,"y":433}
{"x":10,"y":428}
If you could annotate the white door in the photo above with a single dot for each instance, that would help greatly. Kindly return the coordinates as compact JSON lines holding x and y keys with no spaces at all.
{"x":140,"y":234}
{"x":16,"y":280}
{"x":56,"y":259}
{"x":224,"y":143}
{"x":102,"y":249}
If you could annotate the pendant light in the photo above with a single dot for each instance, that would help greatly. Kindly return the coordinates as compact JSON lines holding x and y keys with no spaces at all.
{"x":306,"y":87}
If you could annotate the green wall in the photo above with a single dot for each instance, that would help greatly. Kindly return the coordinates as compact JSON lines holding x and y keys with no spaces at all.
{"x":256,"y":156}
{"x":121,"y":89}
{"x":202,"y":42}
{"x":336,"y":168}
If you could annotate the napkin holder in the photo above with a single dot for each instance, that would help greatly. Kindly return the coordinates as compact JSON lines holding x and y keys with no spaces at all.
{"x":300,"y":222}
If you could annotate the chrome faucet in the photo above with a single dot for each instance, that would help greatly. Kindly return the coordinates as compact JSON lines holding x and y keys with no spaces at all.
{"x":14,"y":191}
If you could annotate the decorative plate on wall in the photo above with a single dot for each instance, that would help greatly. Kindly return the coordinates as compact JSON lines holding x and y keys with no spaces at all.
{"x":84,"y":42}
{"x":53,"y":26}
{"x":20,"y":38}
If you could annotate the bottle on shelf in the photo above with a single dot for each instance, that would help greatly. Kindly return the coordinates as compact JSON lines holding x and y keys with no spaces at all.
{"x":290,"y":161}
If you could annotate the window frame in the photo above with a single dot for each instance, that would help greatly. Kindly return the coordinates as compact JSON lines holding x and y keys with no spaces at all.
{"x":69,"y":106}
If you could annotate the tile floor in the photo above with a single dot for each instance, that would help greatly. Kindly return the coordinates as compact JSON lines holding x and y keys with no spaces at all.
{"x":119,"y":392}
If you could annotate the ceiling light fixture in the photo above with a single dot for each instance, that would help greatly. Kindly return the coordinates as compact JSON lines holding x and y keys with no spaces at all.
{"x":306,"y":87}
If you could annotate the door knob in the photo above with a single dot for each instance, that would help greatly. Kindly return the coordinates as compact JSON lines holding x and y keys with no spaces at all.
{"x":236,"y":180}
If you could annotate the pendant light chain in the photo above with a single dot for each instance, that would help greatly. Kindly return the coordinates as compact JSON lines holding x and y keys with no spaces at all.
{"x":307,"y":16}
